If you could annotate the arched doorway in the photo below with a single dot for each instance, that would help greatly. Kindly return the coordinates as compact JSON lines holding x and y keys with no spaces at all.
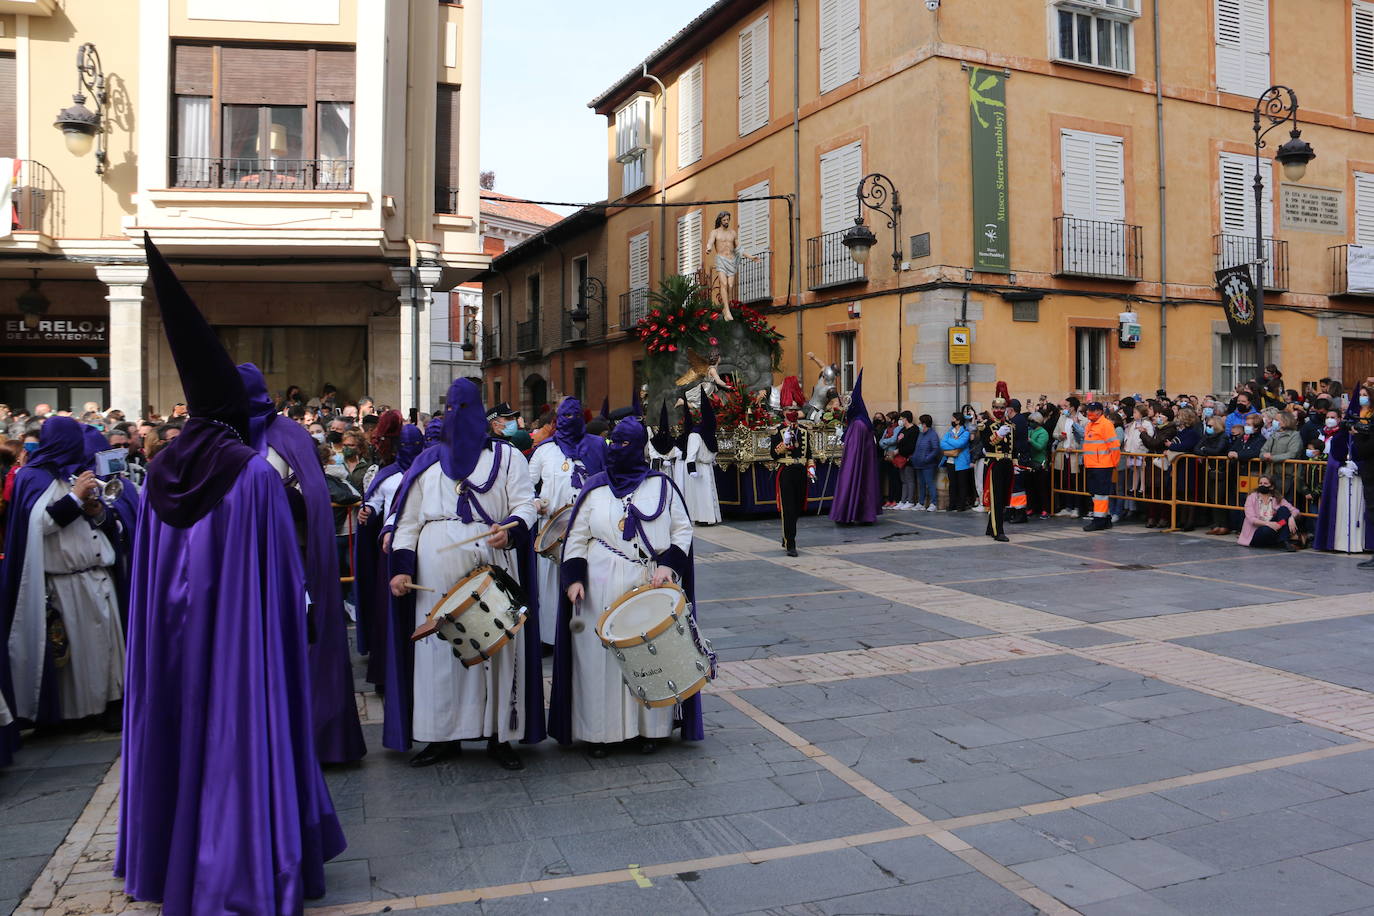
{"x":536,"y":395}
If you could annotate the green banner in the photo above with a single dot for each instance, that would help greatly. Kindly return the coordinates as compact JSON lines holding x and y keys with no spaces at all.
{"x":987,"y":101}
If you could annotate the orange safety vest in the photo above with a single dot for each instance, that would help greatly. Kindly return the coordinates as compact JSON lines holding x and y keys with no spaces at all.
{"x":1100,"y":446}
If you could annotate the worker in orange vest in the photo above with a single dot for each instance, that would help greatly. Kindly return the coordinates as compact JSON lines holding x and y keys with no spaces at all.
{"x":1101,"y":452}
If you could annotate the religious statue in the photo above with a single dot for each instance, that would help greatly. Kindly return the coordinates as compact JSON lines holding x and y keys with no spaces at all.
{"x":702,"y":378}
{"x":824,"y":390}
{"x":722,"y":254}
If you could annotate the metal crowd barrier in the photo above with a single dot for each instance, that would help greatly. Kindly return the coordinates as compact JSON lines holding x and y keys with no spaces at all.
{"x":1185,"y":481}
{"x":352,"y":521}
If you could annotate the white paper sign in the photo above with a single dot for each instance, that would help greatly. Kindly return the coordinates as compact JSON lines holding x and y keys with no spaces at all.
{"x":1359,"y":269}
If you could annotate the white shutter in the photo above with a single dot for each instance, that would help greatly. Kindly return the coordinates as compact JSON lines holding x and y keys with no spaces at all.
{"x":753,"y":76}
{"x":1236,"y":198}
{"x":689,"y":243}
{"x":1364,"y":208}
{"x":754,"y":280}
{"x":689,"y":113}
{"x":1093,"y":192}
{"x":1242,"y":46}
{"x":639,"y":279}
{"x":841,"y":170}
{"x":839,"y":41}
{"x":1362,"y":20}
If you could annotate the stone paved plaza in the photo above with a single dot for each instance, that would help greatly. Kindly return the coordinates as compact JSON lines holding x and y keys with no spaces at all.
{"x":909,"y":719}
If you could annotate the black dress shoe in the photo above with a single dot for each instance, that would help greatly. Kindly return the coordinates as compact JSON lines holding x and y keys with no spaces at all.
{"x":436,"y":751}
{"x":1001,"y":538}
{"x":112,"y":719}
{"x":647,"y":746}
{"x":792,"y":552}
{"x":1367,"y":564}
{"x":597,"y":751}
{"x":504,"y":755}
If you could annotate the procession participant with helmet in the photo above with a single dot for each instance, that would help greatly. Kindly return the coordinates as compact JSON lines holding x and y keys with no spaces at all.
{"x":995,"y":432}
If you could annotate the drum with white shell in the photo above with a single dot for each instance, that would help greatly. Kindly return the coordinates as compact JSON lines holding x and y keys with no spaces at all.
{"x":663,"y":658}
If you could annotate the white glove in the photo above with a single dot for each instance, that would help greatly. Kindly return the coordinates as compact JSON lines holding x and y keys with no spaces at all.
{"x":811,"y":473}
{"x":1349,"y":469}
{"x":1004,"y":431}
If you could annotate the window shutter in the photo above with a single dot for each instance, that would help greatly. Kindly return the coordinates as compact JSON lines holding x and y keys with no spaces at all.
{"x":753,"y":219}
{"x":839,"y":41}
{"x":1237,"y":196}
{"x":1363,"y":29}
{"x":335,"y":75}
{"x":264,"y":76}
{"x":753,"y":76}
{"x":1093,"y":177}
{"x":689,"y":243}
{"x":446,"y":171}
{"x":639,"y":261}
{"x":1364,"y":208}
{"x":761,"y":73}
{"x":9,"y":106}
{"x":841,"y":170}
{"x":689,"y":114}
{"x":192,"y":70}
{"x":746,"y":81}
{"x":1242,"y":46}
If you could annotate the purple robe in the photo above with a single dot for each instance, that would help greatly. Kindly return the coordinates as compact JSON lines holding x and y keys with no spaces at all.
{"x":857,"y":490}
{"x":223,"y":807}
{"x":1324,"y":535}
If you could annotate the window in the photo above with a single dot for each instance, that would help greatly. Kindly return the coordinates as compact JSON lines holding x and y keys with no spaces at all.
{"x":1238,"y":363}
{"x":1362,"y":21}
{"x":689,"y":243}
{"x":1093,"y":191}
{"x":491,"y":347}
{"x":632,"y":144}
{"x":753,"y":76}
{"x":9,"y":106}
{"x":532,"y":290}
{"x":446,"y":145}
{"x":839,"y":43}
{"x":1237,"y":217}
{"x":1096,"y":33}
{"x":580,"y":383}
{"x":1364,"y":208}
{"x":841,"y":170}
{"x":637,"y":299}
{"x":846,"y":354}
{"x":580,"y":272}
{"x":263,"y":117}
{"x":754,"y":262}
{"x":689,"y":112}
{"x":1090,"y":370}
{"x":1242,"y":52}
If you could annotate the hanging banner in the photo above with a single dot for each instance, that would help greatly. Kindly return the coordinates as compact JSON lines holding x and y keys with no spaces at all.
{"x":1359,"y":269}
{"x":1237,"y":289}
{"x":987,"y":99}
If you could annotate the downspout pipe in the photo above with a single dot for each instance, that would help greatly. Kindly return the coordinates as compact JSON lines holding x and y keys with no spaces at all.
{"x":663,"y":171}
{"x":796,"y":178}
{"x":1163,"y":211}
{"x":414,"y":326}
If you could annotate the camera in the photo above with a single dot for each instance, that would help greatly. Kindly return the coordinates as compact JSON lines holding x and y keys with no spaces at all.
{"x":932,"y":5}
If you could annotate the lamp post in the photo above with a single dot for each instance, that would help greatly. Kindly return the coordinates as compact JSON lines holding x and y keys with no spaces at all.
{"x":81,"y":127}
{"x":876,"y":192}
{"x":1277,"y":105}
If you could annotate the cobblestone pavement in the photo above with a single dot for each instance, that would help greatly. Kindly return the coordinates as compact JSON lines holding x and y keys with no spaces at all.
{"x":909,"y":719}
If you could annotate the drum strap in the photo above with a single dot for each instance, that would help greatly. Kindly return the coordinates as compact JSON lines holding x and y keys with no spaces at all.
{"x":467,"y":502}
{"x":615,"y":550}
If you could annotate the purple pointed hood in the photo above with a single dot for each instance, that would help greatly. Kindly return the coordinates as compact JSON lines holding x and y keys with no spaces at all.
{"x":261,"y":410}
{"x":663,"y":436}
{"x":61,"y":447}
{"x":570,"y":427}
{"x":464,"y":434}
{"x":857,"y":407}
{"x":707,"y":429}
{"x":434,"y":430}
{"x":411,"y":445}
{"x":626,"y":463}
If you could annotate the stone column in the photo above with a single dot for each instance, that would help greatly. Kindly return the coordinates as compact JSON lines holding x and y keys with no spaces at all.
{"x":125,"y":282}
{"x":415,"y":310}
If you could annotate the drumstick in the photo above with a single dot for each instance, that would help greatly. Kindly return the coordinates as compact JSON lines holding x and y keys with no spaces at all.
{"x":477,"y":537}
{"x":420,"y":588}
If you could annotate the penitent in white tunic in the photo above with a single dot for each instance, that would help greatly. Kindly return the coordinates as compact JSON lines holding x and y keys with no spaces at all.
{"x":552,"y":472}
{"x":604,"y":712}
{"x":76,"y":559}
{"x":487,"y":700}
{"x":699,"y":490}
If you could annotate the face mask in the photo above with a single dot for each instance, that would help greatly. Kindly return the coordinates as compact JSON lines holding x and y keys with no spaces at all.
{"x":1311,"y":453}
{"x":30,"y":447}
{"x":510,"y":428}
{"x":1251,"y":430}
{"x":1364,"y":400}
{"x":1207,"y":411}
{"x":1264,"y":489}
{"x":1332,"y":422}
{"x":349,"y":451}
{"x":968,"y":416}
{"x":318,"y":437}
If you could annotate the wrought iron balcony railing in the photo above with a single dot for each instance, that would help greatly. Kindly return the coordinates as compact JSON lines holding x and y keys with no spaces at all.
{"x":37,"y":200}
{"x":573,"y":332}
{"x":262,"y":174}
{"x":1352,"y":270}
{"x":527,"y":336}
{"x":491,"y":346}
{"x":1229,"y":250}
{"x":1097,"y":248}
{"x":755,"y":277}
{"x":828,"y":262}
{"x":634,"y":305}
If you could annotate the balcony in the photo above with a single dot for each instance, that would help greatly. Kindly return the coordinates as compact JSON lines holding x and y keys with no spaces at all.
{"x":446,"y":200}
{"x":755,"y":277}
{"x":1352,"y":270}
{"x":262,"y":174}
{"x":37,"y":201}
{"x":828,"y":262}
{"x":573,"y":332}
{"x":1097,"y":248}
{"x":491,"y":346}
{"x":634,"y":305}
{"x":527,"y":337}
{"x":1229,"y":250}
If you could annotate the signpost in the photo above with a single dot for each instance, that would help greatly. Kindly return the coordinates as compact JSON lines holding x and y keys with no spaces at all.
{"x":960,"y":346}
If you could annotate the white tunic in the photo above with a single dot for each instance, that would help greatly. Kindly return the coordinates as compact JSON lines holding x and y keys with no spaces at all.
{"x":552,"y":471}
{"x":603,"y":710}
{"x":383,"y":495}
{"x":452,"y":702}
{"x":699,"y":489}
{"x":76,"y":561}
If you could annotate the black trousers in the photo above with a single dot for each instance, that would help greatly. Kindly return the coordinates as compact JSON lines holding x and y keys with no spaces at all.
{"x":792,"y":483}
{"x":999,"y":482}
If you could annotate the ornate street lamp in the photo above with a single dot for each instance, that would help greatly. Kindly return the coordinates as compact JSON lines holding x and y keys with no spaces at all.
{"x":590,"y":289}
{"x":876,"y":192}
{"x":33,"y":305}
{"x":1277,"y":105}
{"x":81,"y":127}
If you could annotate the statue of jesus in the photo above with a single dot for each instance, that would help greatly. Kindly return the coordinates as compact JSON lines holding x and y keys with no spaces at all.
{"x":721,"y":253}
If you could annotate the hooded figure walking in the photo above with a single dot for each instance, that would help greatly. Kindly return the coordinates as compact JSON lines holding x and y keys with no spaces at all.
{"x":856,"y":492}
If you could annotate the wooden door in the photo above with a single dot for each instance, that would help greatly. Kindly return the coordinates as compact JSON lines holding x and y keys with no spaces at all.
{"x":1357,"y":361}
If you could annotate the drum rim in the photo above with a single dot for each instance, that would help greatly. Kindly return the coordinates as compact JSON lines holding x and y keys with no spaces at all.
{"x":467,"y":604}
{"x":659,"y":628}
{"x":543,"y":549}
{"x":494,"y":647}
{"x":686,"y":695}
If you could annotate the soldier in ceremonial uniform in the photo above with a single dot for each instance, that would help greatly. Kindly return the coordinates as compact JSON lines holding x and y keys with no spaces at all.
{"x":995,"y":434}
{"x":791,"y":448}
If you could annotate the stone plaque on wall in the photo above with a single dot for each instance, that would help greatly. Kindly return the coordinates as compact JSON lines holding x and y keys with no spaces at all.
{"x":1310,"y":209}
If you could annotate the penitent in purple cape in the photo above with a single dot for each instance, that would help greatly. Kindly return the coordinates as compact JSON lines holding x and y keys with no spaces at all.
{"x":223,"y":807}
{"x":856,"y":492}
{"x":338,"y":734}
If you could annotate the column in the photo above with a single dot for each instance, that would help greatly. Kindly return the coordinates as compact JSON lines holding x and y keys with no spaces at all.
{"x":415,"y":317}
{"x":125,"y":283}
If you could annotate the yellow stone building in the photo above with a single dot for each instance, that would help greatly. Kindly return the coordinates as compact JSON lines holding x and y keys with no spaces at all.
{"x":1122,"y":183}
{"x":298,"y":162}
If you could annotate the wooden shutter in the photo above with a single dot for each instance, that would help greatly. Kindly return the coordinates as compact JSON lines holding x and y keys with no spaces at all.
{"x":264,"y":76}
{"x":1237,"y":196}
{"x":9,"y":107}
{"x":1362,"y":21}
{"x":639,"y":261}
{"x":1092,"y":176}
{"x":753,"y":219}
{"x":335,"y":76}
{"x":839,"y":43}
{"x":753,"y":76}
{"x":446,"y":171}
{"x":193,"y":70}
{"x":841,"y":170}
{"x":689,"y":115}
{"x":1242,"y":46}
{"x":689,"y":243}
{"x":1364,"y":208}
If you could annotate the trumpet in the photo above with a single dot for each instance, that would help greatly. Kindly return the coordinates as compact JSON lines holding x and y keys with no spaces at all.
{"x":109,"y":489}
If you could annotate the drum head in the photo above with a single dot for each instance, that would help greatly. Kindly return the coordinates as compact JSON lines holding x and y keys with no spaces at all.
{"x":641,"y":612}
{"x":554,"y":529}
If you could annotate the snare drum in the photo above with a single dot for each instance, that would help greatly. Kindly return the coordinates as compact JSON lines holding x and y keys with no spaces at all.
{"x":662,"y":657}
{"x":548,"y":543}
{"x":479,"y":615}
